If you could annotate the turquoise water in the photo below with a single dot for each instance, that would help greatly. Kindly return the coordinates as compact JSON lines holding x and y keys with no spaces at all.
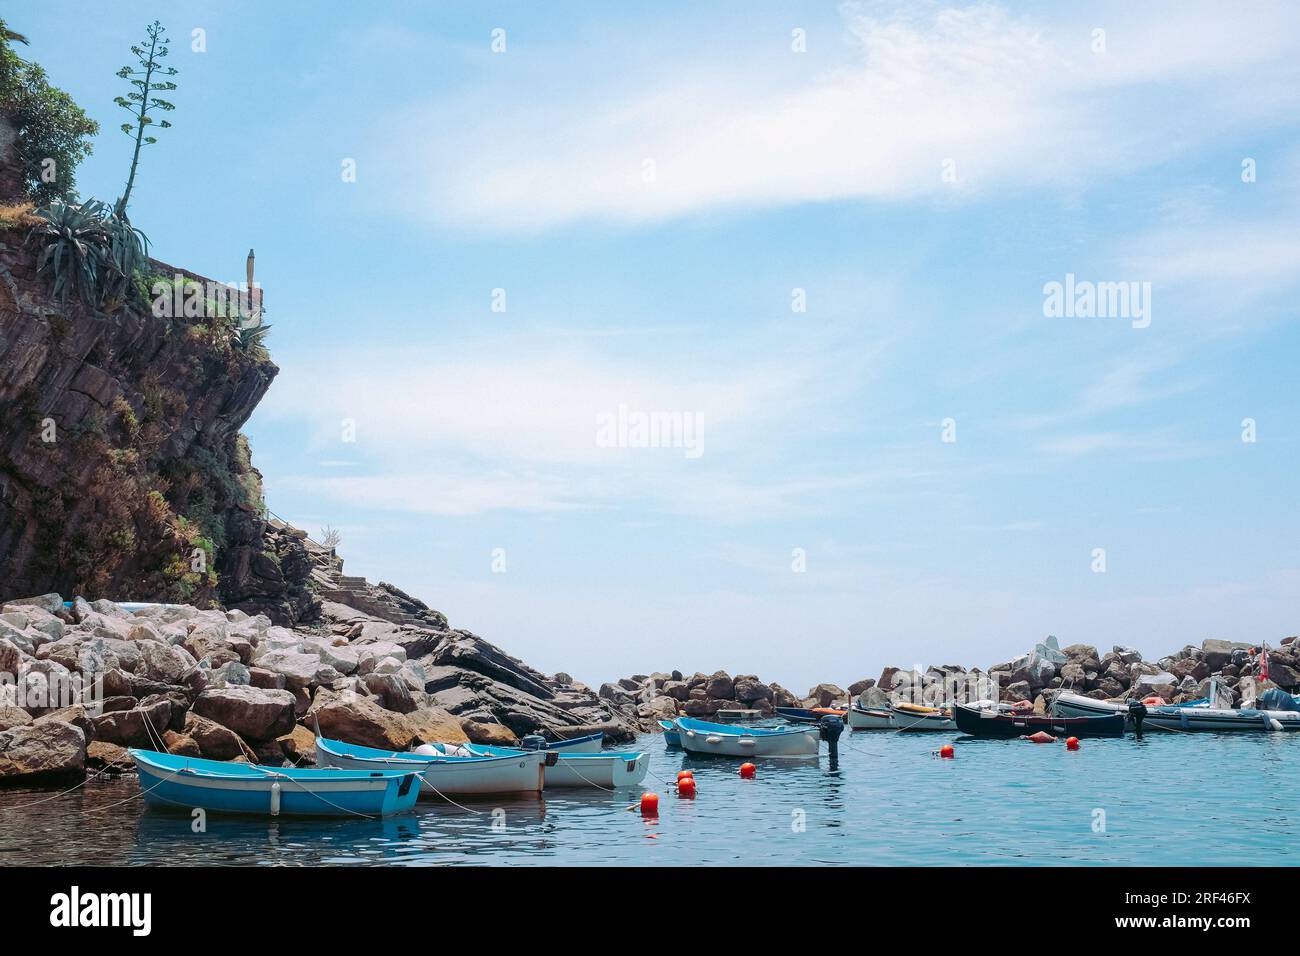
{"x":1173,"y":799}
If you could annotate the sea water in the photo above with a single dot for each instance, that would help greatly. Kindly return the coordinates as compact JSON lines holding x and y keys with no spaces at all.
{"x":1169,"y":799}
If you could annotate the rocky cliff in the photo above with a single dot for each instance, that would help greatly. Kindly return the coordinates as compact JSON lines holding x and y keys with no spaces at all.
{"x":123,"y":473}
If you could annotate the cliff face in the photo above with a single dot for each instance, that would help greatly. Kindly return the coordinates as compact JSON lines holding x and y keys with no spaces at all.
{"x":122,"y":470}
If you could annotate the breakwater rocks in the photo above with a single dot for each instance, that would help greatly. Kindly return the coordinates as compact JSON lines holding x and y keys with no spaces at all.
{"x":80,"y":683}
{"x":1118,"y":674}
{"x":667,"y":694}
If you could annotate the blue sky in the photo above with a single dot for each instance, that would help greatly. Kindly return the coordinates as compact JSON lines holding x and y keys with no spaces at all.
{"x":774,"y":170}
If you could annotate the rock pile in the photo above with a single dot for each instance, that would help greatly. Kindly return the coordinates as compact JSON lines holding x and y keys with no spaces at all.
{"x":1117,"y":674}
{"x":80,"y":683}
{"x":663,"y":695}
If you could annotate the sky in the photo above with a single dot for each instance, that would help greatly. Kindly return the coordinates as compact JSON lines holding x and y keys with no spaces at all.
{"x":817,"y":241}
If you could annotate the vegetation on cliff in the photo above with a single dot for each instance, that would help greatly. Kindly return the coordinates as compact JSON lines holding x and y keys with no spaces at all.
{"x":53,"y":132}
{"x":122,"y":470}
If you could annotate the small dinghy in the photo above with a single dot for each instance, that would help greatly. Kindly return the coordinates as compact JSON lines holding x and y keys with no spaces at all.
{"x":702,"y":737}
{"x":590,"y":744}
{"x":871,"y":718}
{"x":806,"y":715}
{"x":171,"y":780}
{"x":988,"y":722}
{"x":443,"y":769}
{"x":920,"y":717}
{"x":671,"y":737}
{"x":608,"y":770}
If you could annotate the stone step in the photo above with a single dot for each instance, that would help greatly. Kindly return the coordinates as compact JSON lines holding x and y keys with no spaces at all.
{"x":346,"y":579}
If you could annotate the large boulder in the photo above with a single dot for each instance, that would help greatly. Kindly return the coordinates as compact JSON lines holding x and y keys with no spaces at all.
{"x":214,"y":741}
{"x":11,"y":656}
{"x":44,"y":752}
{"x":391,"y":690}
{"x":1190,"y":667}
{"x":141,"y":726}
{"x":751,"y":689}
{"x":676,"y":689}
{"x":11,"y":717}
{"x":433,"y":725}
{"x":251,"y":712}
{"x":299,"y":746}
{"x":343,"y":658}
{"x":1127,"y":654}
{"x":827,"y":694}
{"x":298,"y":670}
{"x":101,"y":755}
{"x":359,"y":720}
{"x":161,"y":662}
{"x":719,"y":686}
{"x":1162,"y":684}
{"x":481,"y":732}
{"x":1218,"y":653}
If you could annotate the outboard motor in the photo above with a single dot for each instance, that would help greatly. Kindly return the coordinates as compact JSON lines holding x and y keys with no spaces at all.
{"x":532,"y":742}
{"x":831,"y":727}
{"x":1137,"y":711}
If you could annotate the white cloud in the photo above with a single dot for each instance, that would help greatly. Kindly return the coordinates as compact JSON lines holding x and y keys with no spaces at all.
{"x":1014,"y":101}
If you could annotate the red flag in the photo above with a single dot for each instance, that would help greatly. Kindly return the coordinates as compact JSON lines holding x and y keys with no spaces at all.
{"x":1263,"y":662}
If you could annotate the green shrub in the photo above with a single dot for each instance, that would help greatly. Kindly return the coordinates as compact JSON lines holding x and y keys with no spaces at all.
{"x":53,"y":131}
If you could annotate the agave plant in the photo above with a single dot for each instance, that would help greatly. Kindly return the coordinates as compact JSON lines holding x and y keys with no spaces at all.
{"x":75,"y":240}
{"x":252,"y":342}
{"x":127,"y":253}
{"x":91,"y":250}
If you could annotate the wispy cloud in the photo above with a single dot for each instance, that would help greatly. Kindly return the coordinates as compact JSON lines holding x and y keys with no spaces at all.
{"x":1011,"y":101}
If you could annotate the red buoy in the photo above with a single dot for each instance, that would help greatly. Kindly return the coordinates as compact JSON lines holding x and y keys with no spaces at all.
{"x":649,"y":804}
{"x":686,"y":787}
{"x":947,"y":752}
{"x":747,"y":771}
{"x":685,"y":773}
{"x":1072,"y":743}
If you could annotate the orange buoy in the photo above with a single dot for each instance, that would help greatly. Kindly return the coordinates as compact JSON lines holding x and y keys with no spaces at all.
{"x":686,"y":787}
{"x":685,"y":773}
{"x":747,"y":771}
{"x":947,"y":752}
{"x":1154,"y":701}
{"x":1042,"y":737}
{"x":649,"y":804}
{"x":1072,"y":743}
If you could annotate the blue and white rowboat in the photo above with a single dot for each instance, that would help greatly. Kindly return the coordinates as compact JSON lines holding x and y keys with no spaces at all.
{"x":702,"y":737}
{"x":609,"y":769}
{"x":671,"y":737}
{"x":589,"y":744}
{"x":443,"y":772}
{"x":170,"y":780}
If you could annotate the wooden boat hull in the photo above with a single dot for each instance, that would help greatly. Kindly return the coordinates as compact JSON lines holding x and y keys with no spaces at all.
{"x":167,"y":780}
{"x":521,"y":772}
{"x":671,"y":737}
{"x":702,"y":737}
{"x":607,"y":770}
{"x":922,"y":720}
{"x":978,"y":722}
{"x":866,"y":718}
